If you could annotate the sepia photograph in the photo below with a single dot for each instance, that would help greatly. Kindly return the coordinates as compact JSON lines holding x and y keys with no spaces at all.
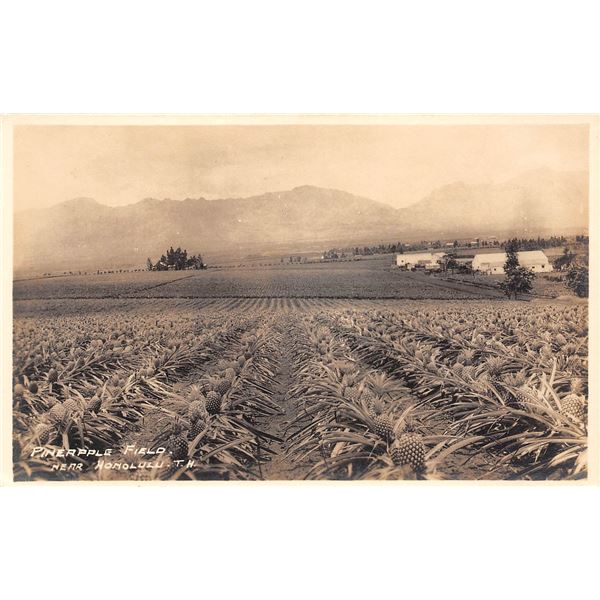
{"x":301,"y":299}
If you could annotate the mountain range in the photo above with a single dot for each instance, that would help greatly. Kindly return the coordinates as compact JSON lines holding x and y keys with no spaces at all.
{"x":84,"y":234}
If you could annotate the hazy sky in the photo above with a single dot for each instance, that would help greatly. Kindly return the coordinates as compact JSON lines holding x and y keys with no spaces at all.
{"x":397,"y":164}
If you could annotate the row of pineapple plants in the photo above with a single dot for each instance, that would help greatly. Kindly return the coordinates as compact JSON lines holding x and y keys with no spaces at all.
{"x":208,"y":423}
{"x":532,"y":341}
{"x":98,"y":408}
{"x":355,"y":421}
{"x":533,"y":413}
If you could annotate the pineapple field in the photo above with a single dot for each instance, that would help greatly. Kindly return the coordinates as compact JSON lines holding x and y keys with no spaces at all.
{"x":298,"y":388}
{"x":374,"y":279}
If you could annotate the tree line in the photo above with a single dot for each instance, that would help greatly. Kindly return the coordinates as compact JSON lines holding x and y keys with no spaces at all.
{"x":538,"y":243}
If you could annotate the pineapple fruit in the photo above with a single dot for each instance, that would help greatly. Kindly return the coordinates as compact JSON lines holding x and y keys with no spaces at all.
{"x":352,"y":393}
{"x":524,"y":396}
{"x":369,"y":399}
{"x":409,"y":449}
{"x":58,"y":414}
{"x":46,"y":433}
{"x":573,"y":407}
{"x":222,"y":386}
{"x":213,"y":403}
{"x":197,"y":428}
{"x":179,"y":447}
{"x":384,"y":427}
{"x":71,"y":406}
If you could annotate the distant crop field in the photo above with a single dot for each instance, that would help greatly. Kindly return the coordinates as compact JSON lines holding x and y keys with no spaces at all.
{"x":360,"y":279}
{"x":93,"y":286}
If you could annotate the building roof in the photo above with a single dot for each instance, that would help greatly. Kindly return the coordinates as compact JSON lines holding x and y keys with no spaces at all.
{"x":527,"y":257}
{"x":416,"y":255}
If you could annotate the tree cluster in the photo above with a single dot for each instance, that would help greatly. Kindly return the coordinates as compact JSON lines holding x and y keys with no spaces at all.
{"x":518,"y":279}
{"x":449,"y":263}
{"x":177,"y":260}
{"x":564,"y":261}
{"x":578,"y":280}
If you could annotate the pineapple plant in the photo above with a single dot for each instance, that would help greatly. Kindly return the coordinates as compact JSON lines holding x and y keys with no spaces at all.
{"x":494,"y":366}
{"x":19,"y":390}
{"x":213,"y":403}
{"x":467,"y":356}
{"x":376,"y":406}
{"x":205,"y":386}
{"x":94,"y":405}
{"x":468,"y":372}
{"x":195,"y":394}
{"x":560,"y":339}
{"x":196,"y":410}
{"x":33,"y":387}
{"x":577,"y":386}
{"x":409,"y":449}
{"x":458,"y":368}
{"x":517,"y":379}
{"x":345,"y":367}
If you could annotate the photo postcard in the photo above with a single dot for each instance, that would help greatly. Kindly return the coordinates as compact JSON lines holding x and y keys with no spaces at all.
{"x":299,"y":298}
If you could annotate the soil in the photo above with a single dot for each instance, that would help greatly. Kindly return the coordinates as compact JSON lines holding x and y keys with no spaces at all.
{"x":280,"y":466}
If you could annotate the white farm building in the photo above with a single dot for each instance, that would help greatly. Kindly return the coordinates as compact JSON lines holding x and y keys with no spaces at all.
{"x":427,"y":260}
{"x":493,"y":264}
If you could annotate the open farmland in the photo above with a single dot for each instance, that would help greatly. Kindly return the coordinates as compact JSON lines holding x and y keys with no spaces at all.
{"x":110,"y":285}
{"x":249,"y":388}
{"x":361,"y":279}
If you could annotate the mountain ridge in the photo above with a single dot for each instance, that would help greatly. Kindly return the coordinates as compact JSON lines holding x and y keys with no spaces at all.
{"x":83,"y":233}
